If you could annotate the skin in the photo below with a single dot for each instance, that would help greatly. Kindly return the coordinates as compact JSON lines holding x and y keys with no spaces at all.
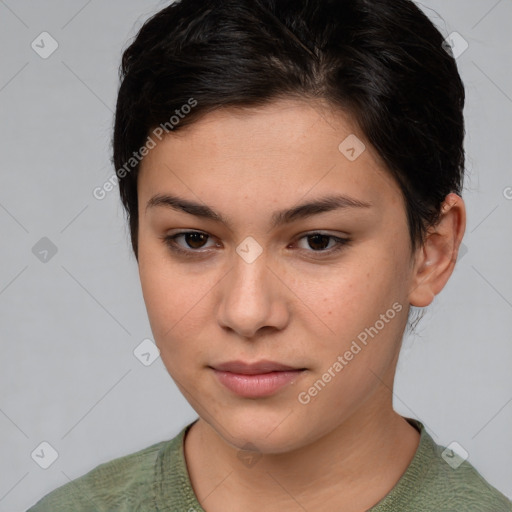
{"x":302,"y":307}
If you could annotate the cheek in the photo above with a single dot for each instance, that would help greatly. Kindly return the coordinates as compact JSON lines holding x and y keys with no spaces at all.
{"x":361,"y":300}
{"x":346,"y":297}
{"x":177,"y":304}
{"x":164,"y":290}
{"x":365,"y":315}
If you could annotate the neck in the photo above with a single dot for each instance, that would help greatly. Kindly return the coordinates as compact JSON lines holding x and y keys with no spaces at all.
{"x":354,"y":466}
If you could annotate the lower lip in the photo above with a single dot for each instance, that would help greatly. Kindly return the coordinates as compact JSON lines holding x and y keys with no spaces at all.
{"x":255,"y":386}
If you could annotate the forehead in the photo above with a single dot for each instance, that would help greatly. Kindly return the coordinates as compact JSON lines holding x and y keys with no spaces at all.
{"x":285,"y":150}
{"x":294,"y":126}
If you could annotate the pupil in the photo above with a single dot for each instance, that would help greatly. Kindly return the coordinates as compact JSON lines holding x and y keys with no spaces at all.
{"x":323,"y":238}
{"x":196,"y":238}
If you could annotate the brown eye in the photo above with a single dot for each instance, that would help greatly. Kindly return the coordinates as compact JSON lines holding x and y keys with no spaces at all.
{"x":195,"y":240}
{"x":318,"y":242}
{"x":322,"y":243}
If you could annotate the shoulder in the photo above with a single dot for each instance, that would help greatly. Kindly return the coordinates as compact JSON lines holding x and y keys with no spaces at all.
{"x":438,"y":479}
{"x":450,"y":483}
{"x":464,"y":488}
{"x":120,"y":484}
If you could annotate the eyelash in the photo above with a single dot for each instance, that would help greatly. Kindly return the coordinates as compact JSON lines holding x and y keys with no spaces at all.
{"x":170,"y":242}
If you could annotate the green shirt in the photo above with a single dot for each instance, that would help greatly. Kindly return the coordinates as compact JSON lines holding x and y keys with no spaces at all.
{"x":156,"y":479}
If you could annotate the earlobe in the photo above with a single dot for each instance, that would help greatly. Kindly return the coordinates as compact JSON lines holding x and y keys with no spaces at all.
{"x":435,"y":260}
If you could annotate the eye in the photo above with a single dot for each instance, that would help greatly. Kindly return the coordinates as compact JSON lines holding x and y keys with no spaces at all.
{"x":193,"y":239}
{"x":321,"y":242}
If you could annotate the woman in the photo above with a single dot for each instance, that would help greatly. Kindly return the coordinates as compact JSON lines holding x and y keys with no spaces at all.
{"x":292,"y":174}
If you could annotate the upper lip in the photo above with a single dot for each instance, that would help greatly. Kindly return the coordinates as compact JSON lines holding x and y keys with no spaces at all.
{"x":263,"y":366}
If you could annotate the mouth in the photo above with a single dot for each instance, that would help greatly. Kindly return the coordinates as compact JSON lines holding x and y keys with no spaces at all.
{"x":255,"y":380}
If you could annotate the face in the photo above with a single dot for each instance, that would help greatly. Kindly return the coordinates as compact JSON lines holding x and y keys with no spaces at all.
{"x":236,"y":266}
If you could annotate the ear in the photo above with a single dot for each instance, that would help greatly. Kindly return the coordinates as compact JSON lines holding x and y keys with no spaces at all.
{"x":436,"y":258}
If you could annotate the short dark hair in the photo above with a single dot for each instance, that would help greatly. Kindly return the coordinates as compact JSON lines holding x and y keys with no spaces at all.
{"x":383,"y":62}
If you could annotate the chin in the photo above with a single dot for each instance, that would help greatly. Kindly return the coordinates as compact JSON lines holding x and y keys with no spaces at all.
{"x":269,"y":432}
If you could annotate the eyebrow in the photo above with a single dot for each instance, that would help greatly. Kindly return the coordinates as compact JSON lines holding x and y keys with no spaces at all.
{"x":302,"y":211}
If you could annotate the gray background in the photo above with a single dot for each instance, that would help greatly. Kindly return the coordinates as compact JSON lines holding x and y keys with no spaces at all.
{"x":69,"y":326}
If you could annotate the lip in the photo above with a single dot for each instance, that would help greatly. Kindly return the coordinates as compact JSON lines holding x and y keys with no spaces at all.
{"x":255,"y":380}
{"x":259,"y":367}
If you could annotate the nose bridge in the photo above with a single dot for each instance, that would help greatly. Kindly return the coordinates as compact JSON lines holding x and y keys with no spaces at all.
{"x":249,"y":296}
{"x":248,"y":288}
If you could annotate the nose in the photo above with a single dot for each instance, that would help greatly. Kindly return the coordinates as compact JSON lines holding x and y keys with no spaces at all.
{"x":253,"y":298}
